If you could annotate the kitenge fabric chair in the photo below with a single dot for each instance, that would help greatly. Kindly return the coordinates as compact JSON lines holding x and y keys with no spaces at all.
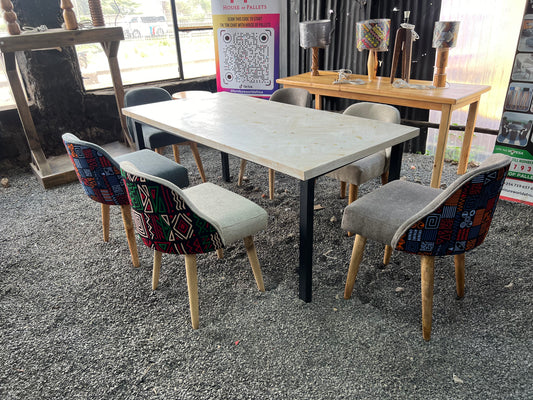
{"x":199,"y":219}
{"x":99,"y":175}
{"x":294,"y":96}
{"x":153,"y":138}
{"x":428,"y":222}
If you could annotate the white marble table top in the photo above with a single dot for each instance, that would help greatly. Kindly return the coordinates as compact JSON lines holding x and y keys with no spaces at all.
{"x":300,"y":142}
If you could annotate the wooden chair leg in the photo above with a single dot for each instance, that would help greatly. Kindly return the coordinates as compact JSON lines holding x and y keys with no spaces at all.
{"x":241,"y":171}
{"x":105,"y":220}
{"x":271,"y":178}
{"x":156,"y":269}
{"x":352,"y":196}
{"x":176,"y":151}
{"x":385,"y":178}
{"x":159,"y":150}
{"x":254,"y":262}
{"x":387,"y":255}
{"x":355,"y":261}
{"x":459,"y":260}
{"x":343,"y":190}
{"x":130,"y":233}
{"x":427,"y":276}
{"x":198,"y":160}
{"x":220,"y":254}
{"x":192,"y":287}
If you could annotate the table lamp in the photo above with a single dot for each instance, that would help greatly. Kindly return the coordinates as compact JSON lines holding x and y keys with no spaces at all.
{"x":373,"y":35}
{"x":315,"y":35}
{"x":444,"y":37}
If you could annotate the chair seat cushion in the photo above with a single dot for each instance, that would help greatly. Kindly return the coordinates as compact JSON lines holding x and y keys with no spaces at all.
{"x":379,"y":214}
{"x":150,"y":162}
{"x":234,"y":216}
{"x":155,"y":138}
{"x":362,"y":170}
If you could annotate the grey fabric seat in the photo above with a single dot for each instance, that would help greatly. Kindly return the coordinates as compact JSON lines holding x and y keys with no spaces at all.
{"x":373,"y":166}
{"x":295,"y":96}
{"x":195,"y":220}
{"x":428,"y":222}
{"x":154,"y":138}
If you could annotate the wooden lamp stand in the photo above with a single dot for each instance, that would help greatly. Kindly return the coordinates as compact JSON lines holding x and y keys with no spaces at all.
{"x":372,"y":64}
{"x":314,"y":62}
{"x":439,"y":80}
{"x":10,"y":17}
{"x":404,"y":45}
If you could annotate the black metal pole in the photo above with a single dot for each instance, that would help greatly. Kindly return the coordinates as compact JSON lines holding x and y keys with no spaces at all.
{"x":307,"y":199}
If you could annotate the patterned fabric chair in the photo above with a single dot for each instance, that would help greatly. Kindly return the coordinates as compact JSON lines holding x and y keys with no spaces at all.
{"x":429,"y":222}
{"x":153,"y":138}
{"x":370,"y":167}
{"x":99,"y":175}
{"x":196,"y":220}
{"x":295,"y":96}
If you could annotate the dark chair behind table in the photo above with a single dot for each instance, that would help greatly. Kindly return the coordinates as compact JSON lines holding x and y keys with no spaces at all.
{"x":99,"y":175}
{"x":153,"y":138}
{"x":428,"y":222}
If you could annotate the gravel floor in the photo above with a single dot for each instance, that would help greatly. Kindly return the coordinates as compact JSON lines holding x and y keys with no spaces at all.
{"x":79,"y":322}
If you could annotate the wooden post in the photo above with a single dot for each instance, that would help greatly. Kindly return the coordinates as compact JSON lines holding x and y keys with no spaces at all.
{"x":314,"y":63}
{"x":439,"y":80}
{"x":10,"y":17}
{"x":68,"y":15}
{"x":97,"y":17}
{"x":372,"y":64}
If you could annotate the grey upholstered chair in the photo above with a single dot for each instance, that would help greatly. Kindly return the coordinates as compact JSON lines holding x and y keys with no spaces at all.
{"x":295,"y":96}
{"x":99,"y":175}
{"x":196,"y":220}
{"x":153,"y":138}
{"x":370,"y":167}
{"x":428,"y":222}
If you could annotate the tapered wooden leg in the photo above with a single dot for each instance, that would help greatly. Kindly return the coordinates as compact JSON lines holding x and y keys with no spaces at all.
{"x":198,"y":160}
{"x":130,"y":233}
{"x":385,"y":178}
{"x":352,"y":196}
{"x":105,"y":220}
{"x":159,"y":150}
{"x":427,"y":274}
{"x":192,"y":287}
{"x":387,"y":255}
{"x":220,"y":254}
{"x":254,"y":262}
{"x":343,"y":190}
{"x":241,"y":172}
{"x":176,"y":151}
{"x":355,"y":261}
{"x":459,"y":260}
{"x":156,"y":269}
{"x":271,"y":178}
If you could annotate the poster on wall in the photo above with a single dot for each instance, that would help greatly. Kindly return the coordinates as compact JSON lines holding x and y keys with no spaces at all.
{"x":247,"y":45}
{"x":515,"y":137}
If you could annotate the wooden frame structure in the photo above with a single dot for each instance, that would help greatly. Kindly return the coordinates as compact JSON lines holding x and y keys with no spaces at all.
{"x":58,"y":170}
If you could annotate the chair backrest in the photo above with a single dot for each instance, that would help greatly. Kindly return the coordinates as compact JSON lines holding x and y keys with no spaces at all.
{"x":380,"y":112}
{"x":295,"y":96}
{"x":165,"y":218}
{"x":458,"y":219}
{"x":97,"y":171}
{"x":139,"y":96}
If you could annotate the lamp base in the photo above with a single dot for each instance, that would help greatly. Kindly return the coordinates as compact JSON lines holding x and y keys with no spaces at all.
{"x":372,"y":64}
{"x":439,"y":79}
{"x":314,"y":62}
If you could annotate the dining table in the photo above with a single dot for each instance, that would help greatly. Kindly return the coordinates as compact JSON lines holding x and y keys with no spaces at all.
{"x":415,"y":93}
{"x":303,"y":143}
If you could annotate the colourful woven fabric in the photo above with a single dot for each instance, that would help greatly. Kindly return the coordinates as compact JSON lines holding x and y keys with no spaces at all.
{"x":100,"y":179}
{"x":461,"y":223}
{"x":165,"y":222}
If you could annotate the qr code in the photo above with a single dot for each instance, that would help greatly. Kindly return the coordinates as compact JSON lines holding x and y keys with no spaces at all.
{"x":246,"y":58}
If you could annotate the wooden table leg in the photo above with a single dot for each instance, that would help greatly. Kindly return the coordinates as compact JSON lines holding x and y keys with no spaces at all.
{"x":467,"y":140}
{"x":438,"y":162}
{"x":307,"y":198}
{"x":318,"y":102}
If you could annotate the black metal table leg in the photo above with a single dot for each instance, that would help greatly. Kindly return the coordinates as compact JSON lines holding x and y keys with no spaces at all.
{"x":225,"y":166}
{"x":139,"y":138}
{"x":395,"y":162}
{"x":307,"y":198}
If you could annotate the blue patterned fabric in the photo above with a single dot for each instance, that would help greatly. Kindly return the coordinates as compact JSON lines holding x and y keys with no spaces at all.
{"x":461,"y":223}
{"x":164,"y":221}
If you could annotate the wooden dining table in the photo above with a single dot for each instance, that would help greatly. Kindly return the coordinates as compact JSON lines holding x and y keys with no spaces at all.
{"x":301,"y":142}
{"x":380,"y":90}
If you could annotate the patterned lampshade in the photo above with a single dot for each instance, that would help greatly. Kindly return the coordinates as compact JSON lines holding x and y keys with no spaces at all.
{"x":445,"y":34}
{"x":373,"y":34}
